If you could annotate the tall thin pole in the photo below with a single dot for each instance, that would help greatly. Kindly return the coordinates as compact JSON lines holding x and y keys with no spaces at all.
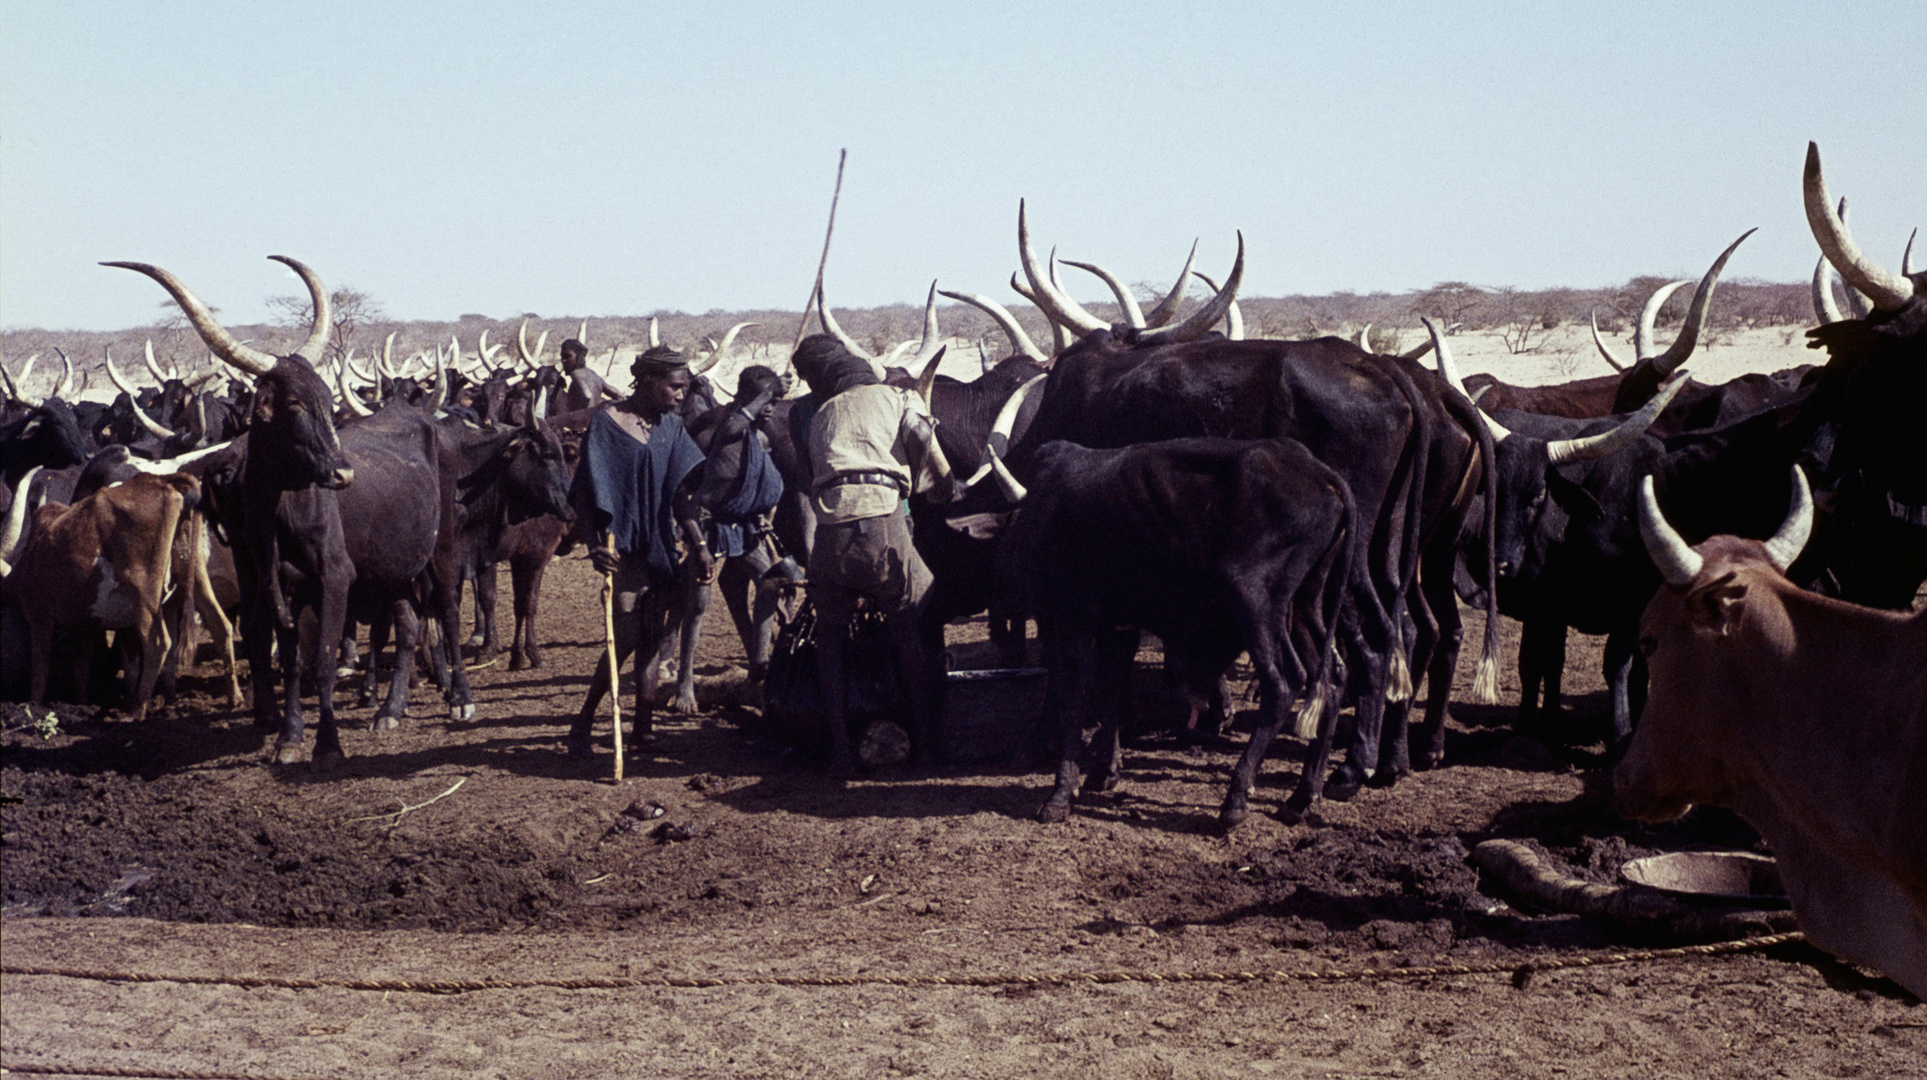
{"x":816,"y":289}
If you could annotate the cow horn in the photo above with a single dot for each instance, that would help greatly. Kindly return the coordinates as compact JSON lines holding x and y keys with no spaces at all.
{"x":1004,"y":426}
{"x":1449,"y":371}
{"x":225,"y":345}
{"x":1678,"y":563}
{"x":932,"y":342}
{"x":16,"y":521}
{"x":1133,"y":314}
{"x":1234,"y":319}
{"x":1791,"y":539}
{"x":312,"y":349}
{"x":927,"y":379}
{"x":13,"y":390}
{"x":1600,"y":343}
{"x":540,"y":411}
{"x":1061,"y":336}
{"x":200,"y":418}
{"x":1824,"y":308}
{"x":153,"y":366}
{"x":26,"y":372}
{"x":348,"y":396}
{"x":655,"y":338}
{"x":721,"y":350}
{"x":1887,"y":291}
{"x":107,"y":357}
{"x":1364,"y":338}
{"x":581,"y":335}
{"x":66,"y":375}
{"x":895,"y":354}
{"x":1689,"y":332}
{"x":829,"y":323}
{"x":1907,"y":256}
{"x":1649,"y":317}
{"x":1056,"y":306}
{"x":1218,"y":307}
{"x":1020,"y":342}
{"x":1592,"y":447}
{"x":1167,"y":308}
{"x":1013,"y":490}
{"x":441,"y":384}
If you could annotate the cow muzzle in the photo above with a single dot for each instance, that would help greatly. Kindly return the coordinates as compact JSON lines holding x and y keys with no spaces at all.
{"x":340,"y":478}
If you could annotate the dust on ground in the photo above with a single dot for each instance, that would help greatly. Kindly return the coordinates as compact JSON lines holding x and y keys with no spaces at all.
{"x":172,"y":847}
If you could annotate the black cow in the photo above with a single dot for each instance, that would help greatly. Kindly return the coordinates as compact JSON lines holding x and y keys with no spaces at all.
{"x":305,"y":534}
{"x":1218,"y":547}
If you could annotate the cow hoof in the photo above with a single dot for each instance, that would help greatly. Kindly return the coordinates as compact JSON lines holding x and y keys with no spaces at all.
{"x":461,"y":714}
{"x":1098,"y":783}
{"x":516,"y":663}
{"x":287,"y":755}
{"x":1053,"y":812}
{"x":384,"y":722}
{"x":1385,"y":778}
{"x":1233,"y":815}
{"x":1427,"y":762}
{"x":476,"y":641}
{"x":1343,"y":784}
{"x":1293,"y":812}
{"x":345,"y":671}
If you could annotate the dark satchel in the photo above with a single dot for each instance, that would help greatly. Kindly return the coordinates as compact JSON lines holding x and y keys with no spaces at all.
{"x":793,"y":695}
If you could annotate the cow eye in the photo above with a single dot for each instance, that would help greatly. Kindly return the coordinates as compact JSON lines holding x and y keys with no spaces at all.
{"x":1648,"y":645}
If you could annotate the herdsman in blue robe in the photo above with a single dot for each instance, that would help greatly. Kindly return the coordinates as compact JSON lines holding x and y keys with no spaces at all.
{"x":631,"y":484}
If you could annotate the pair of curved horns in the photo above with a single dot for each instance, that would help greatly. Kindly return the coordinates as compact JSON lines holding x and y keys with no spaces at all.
{"x":154,"y":427}
{"x":224,"y":344}
{"x":1020,"y":342}
{"x":1679,"y":564}
{"x":1887,"y":291}
{"x":1063,"y":311}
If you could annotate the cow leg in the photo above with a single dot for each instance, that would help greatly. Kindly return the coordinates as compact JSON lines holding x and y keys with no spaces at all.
{"x":1618,"y":672}
{"x":484,"y":638}
{"x":1449,"y":639}
{"x":150,"y":630}
{"x":525,"y":575}
{"x":43,"y":659}
{"x":287,"y":749}
{"x":1542,"y":646}
{"x":407,"y":639}
{"x":445,"y":597}
{"x":334,"y":621}
{"x":378,"y":630}
{"x":1066,"y":696}
{"x":689,"y":616}
{"x":1113,"y":656}
{"x":258,"y":633}
{"x":1377,"y":638}
{"x":1425,"y":610}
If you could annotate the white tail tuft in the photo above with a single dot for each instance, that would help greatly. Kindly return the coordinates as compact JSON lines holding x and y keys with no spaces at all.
{"x":1305,"y":726}
{"x":1485,"y":684}
{"x":1399,"y":684}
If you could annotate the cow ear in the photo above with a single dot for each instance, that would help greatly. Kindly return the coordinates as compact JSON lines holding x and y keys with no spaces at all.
{"x":264,"y":400}
{"x":1717,"y":605}
{"x":1575,"y":500}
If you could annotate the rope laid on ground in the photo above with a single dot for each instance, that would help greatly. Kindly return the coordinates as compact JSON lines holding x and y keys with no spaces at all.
{"x":1520,"y":971}
{"x":139,"y":1072}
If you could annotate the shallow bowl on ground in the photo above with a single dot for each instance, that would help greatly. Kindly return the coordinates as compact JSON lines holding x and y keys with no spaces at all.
{"x":1711,"y":875}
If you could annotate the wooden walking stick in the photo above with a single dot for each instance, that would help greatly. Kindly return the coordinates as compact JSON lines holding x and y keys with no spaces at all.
{"x":842,"y":156}
{"x":609,"y":647}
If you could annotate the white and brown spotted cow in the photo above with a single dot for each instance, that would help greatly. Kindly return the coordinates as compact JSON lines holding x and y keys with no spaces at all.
{"x":1804,"y":714}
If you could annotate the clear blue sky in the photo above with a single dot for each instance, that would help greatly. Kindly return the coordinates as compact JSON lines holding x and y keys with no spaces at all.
{"x":613,"y":158}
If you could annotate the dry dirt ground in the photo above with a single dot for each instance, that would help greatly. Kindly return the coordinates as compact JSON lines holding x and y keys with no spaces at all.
{"x":171,"y":848}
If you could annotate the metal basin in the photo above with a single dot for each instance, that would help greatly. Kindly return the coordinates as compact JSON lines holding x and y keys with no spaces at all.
{"x":1724,"y":876}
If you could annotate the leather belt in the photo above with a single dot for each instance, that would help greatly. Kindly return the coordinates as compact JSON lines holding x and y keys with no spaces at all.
{"x":877,"y":479}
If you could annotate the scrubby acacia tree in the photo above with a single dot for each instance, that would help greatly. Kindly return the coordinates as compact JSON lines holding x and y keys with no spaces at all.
{"x":354,"y":311}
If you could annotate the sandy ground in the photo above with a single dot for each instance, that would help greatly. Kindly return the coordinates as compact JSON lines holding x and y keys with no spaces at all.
{"x":171,"y":848}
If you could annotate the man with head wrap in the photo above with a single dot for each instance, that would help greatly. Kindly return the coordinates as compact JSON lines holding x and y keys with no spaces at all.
{"x":633,"y":484}
{"x":870,"y":447}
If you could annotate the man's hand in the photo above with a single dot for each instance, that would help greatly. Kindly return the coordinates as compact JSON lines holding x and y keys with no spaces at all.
{"x":604,"y":560}
{"x":705,"y":566}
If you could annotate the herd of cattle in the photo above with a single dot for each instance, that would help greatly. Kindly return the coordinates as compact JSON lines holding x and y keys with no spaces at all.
{"x":1312,"y":504}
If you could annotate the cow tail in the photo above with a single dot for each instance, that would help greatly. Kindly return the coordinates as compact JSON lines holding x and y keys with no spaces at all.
{"x":1399,"y":683}
{"x":1485,"y":683}
{"x":1331,"y":599}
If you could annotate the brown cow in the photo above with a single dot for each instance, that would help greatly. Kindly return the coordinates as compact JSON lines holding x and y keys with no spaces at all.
{"x":1804,"y":714}
{"x":106,"y":563}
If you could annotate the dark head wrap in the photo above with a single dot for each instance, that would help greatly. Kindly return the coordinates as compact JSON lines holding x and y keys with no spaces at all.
{"x":829,"y":368}
{"x":658,"y":363}
{"x":572,"y":346}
